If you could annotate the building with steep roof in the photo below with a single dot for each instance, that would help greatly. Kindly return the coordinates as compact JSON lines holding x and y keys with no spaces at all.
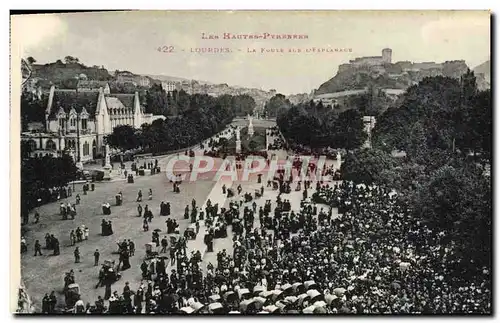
{"x":78,"y":120}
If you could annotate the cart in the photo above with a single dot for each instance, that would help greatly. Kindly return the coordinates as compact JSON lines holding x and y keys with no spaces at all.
{"x":151,"y":250}
{"x":72,"y":295}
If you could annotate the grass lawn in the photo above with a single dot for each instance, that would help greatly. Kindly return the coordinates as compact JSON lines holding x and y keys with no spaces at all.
{"x":42,"y":274}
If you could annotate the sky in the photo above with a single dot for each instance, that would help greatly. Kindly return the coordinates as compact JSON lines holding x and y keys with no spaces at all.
{"x":130,"y":41}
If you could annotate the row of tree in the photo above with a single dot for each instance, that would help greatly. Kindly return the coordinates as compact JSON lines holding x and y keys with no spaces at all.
{"x":317,"y":126}
{"x":444,"y":127}
{"x":203,"y":117}
{"x":160,"y":102}
{"x":42,"y":177}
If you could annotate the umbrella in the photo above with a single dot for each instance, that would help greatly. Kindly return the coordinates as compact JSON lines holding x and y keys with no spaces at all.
{"x":302,"y":298}
{"x":309,"y":310}
{"x":157,"y":230}
{"x":266,"y":293}
{"x":187,"y":310}
{"x":320,"y":310}
{"x":339,"y":291}
{"x":296,"y":286}
{"x":276,"y":293}
{"x":320,"y":304}
{"x":260,"y":300}
{"x":291,"y":299}
{"x":244,"y":304}
{"x":214,"y":298}
{"x":330,"y":298}
{"x":271,"y":308}
{"x":313,"y":293}
{"x":243,"y":291}
{"x":309,"y":284}
{"x":286,"y":286}
{"x":258,"y":289}
{"x":197,"y":306}
{"x":234,"y":312}
{"x":215,"y":306}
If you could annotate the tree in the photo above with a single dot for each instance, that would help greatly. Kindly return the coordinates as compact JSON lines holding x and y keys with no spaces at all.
{"x":364,"y":166}
{"x":39,"y":175}
{"x":31,"y":60}
{"x":123,"y":137}
{"x":275,"y":104}
{"x":349,"y":130}
{"x":458,"y":200}
{"x":71,"y":60}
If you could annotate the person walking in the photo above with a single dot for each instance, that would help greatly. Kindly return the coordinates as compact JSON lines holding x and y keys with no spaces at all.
{"x":131,"y":247}
{"x":77,"y":255}
{"x":96,"y":257}
{"x":38,"y":248}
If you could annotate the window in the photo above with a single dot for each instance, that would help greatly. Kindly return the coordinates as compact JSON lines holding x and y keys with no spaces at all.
{"x":86,"y":149}
{"x":84,"y":124}
{"x":50,"y":145}
{"x":61,"y":123}
{"x":32,"y":145}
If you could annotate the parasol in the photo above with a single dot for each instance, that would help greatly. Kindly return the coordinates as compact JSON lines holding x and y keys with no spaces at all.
{"x":215,"y":306}
{"x":214,"y":298}
{"x":309,"y":284}
{"x":157,"y":230}
{"x":330,"y":298}
{"x":266,"y":293}
{"x":320,"y":310}
{"x":313,"y":293}
{"x":320,"y":304}
{"x":243,"y":291}
{"x":197,"y":306}
{"x":258,"y":289}
{"x":291,"y":299}
{"x":187,"y":310}
{"x":260,"y":300}
{"x":339,"y":291}
{"x":286,"y":287}
{"x":309,"y":310}
{"x":271,"y":308}
{"x":302,"y":298}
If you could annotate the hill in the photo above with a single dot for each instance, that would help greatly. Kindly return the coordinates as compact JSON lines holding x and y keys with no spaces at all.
{"x":398,"y":75}
{"x":61,"y":74}
{"x":483,"y":75}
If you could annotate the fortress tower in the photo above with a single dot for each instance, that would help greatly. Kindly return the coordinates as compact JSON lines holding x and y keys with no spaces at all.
{"x":387,"y":55}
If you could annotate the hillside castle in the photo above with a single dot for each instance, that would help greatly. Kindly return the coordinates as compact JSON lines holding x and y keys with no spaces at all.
{"x":354,"y":77}
{"x":384,"y":63}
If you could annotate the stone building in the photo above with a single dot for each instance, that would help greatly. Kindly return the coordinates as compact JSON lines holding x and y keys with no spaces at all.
{"x":78,"y":121}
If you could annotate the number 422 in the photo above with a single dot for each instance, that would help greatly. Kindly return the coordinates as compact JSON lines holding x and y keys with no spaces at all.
{"x":165,"y":49}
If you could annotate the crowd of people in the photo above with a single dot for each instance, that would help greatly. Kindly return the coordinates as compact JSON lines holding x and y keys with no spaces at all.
{"x":373,"y":259}
{"x":370,"y":258}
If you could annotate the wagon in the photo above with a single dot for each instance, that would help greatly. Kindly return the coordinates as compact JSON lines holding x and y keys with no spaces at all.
{"x":151,"y":250}
{"x":72,"y":295}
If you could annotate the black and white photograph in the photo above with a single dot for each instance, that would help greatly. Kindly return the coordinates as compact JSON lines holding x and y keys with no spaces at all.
{"x":184,"y":163}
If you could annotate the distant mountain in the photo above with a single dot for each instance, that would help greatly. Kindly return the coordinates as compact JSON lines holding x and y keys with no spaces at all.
{"x":167,"y":78}
{"x":483,"y":75}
